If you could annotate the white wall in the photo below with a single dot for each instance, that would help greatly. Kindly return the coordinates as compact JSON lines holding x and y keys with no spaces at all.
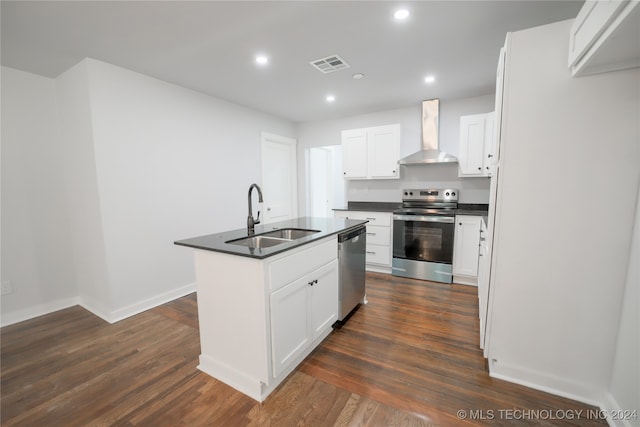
{"x":35,"y":224}
{"x":560,"y":257}
{"x":171,"y":163}
{"x":141,"y":163}
{"x":80,"y":191}
{"x":624,"y":389}
{"x":327,"y":132}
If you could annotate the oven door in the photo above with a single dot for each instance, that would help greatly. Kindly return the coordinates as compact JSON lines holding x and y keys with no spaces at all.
{"x":423,"y":238}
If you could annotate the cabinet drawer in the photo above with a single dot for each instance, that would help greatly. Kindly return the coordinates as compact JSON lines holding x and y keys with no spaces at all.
{"x":382,"y":219}
{"x":292,"y":267}
{"x":377,"y":235}
{"x":378,"y":255}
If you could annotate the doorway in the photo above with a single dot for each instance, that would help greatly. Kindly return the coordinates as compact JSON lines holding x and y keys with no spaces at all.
{"x":325,"y":181}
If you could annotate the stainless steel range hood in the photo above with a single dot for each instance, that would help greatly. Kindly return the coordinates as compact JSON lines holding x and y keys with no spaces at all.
{"x":430,"y":152}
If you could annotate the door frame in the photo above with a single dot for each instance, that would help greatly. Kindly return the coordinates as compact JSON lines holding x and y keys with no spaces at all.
{"x":292,"y":143}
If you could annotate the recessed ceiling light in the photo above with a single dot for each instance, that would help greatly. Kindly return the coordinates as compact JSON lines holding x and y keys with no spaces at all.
{"x":262,"y":59}
{"x":429,"y":79}
{"x":330,"y":98}
{"x":401,"y":14}
{"x":357,"y":76}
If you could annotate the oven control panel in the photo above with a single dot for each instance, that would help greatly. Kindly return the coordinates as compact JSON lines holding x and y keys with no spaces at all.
{"x":430,"y":195}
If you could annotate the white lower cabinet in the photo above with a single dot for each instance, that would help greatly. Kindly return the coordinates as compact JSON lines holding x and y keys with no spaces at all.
{"x":466,"y":249}
{"x":259,"y":318}
{"x":379,"y":238}
{"x":300,"y":312}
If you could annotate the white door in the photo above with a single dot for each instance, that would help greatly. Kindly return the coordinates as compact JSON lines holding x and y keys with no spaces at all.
{"x":279,"y":178}
{"x":320,"y":184}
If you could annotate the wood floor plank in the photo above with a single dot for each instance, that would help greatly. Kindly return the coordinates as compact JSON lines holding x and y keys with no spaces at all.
{"x":408,"y":358}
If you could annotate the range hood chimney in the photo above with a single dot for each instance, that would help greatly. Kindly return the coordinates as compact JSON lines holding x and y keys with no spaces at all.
{"x":429,"y":152}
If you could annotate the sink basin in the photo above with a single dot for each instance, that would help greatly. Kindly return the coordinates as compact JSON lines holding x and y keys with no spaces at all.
{"x":272,"y":238}
{"x":257,"y":242}
{"x":290,"y":233}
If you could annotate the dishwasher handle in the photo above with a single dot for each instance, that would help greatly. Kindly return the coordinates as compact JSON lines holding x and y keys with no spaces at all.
{"x":351,"y":234}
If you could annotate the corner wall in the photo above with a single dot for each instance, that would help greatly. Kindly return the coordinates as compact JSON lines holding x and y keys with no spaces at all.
{"x":35,"y":221}
{"x":102,"y":170}
{"x":624,"y":389}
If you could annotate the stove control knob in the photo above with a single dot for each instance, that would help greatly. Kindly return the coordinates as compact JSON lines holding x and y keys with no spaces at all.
{"x":406,"y":194}
{"x":453,"y":193}
{"x":446,"y":194}
{"x":411,"y":193}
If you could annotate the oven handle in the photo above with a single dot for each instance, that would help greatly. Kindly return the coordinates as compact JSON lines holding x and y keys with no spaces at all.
{"x":423,"y":218}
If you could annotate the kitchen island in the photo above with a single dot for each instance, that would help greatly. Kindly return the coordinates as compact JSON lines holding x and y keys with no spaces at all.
{"x":265,"y":302}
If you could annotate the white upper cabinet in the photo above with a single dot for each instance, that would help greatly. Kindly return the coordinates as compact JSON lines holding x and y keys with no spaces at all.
{"x":371,"y":153}
{"x":604,"y":37}
{"x":477,"y":145}
{"x":354,"y":153}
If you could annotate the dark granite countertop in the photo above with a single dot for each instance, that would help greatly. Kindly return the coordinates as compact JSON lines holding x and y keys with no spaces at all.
{"x":472,"y":209}
{"x":217,"y":242}
{"x":371,"y":206}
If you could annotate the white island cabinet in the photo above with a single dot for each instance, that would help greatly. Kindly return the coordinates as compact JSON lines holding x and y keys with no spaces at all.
{"x":259,"y":318}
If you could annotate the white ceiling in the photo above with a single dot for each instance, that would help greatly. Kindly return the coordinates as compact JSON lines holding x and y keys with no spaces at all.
{"x":209,"y":46}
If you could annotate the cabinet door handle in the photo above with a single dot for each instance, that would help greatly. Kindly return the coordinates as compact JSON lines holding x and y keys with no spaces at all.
{"x":372,"y":219}
{"x":489,"y":155}
{"x":371,"y":252}
{"x":371,"y":234}
{"x":479,"y":169}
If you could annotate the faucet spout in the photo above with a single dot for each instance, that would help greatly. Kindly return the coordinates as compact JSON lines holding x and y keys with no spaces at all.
{"x":251,"y":222}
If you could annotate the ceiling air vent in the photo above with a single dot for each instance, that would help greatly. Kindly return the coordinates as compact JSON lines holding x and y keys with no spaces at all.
{"x":329,"y":64}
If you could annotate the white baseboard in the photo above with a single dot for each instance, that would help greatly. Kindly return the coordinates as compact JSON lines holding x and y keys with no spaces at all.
{"x":94,"y":307}
{"x":36,"y":311}
{"x":137,"y":308}
{"x":462,"y":280}
{"x":240,"y":381}
{"x":378,"y":269}
{"x":611,"y":406}
{"x":540,"y":381}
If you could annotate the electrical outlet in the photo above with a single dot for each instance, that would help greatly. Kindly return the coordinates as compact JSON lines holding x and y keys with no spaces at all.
{"x":6,"y":287}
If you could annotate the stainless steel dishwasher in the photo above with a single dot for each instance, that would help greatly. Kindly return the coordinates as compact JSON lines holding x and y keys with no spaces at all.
{"x":351,"y":255}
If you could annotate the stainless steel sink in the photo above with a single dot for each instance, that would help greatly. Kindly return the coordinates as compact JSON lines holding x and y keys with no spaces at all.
{"x":290,"y":233}
{"x":272,"y":238}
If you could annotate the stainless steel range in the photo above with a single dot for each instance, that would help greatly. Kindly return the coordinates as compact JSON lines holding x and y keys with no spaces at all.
{"x":423,"y":234}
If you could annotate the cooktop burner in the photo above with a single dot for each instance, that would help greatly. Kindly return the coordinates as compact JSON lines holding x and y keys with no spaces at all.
{"x":428,"y":202}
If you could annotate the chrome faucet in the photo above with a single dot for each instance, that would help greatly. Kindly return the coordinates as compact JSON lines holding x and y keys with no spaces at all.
{"x":250,"y":221}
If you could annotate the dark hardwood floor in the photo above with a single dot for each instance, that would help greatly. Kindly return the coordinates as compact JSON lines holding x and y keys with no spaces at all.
{"x":408,"y":358}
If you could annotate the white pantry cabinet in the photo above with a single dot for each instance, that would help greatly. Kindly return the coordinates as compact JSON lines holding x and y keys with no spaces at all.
{"x":476,"y":154}
{"x":379,"y":238}
{"x":371,"y":153}
{"x":300,"y":312}
{"x":604,"y":37}
{"x":466,"y":245}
